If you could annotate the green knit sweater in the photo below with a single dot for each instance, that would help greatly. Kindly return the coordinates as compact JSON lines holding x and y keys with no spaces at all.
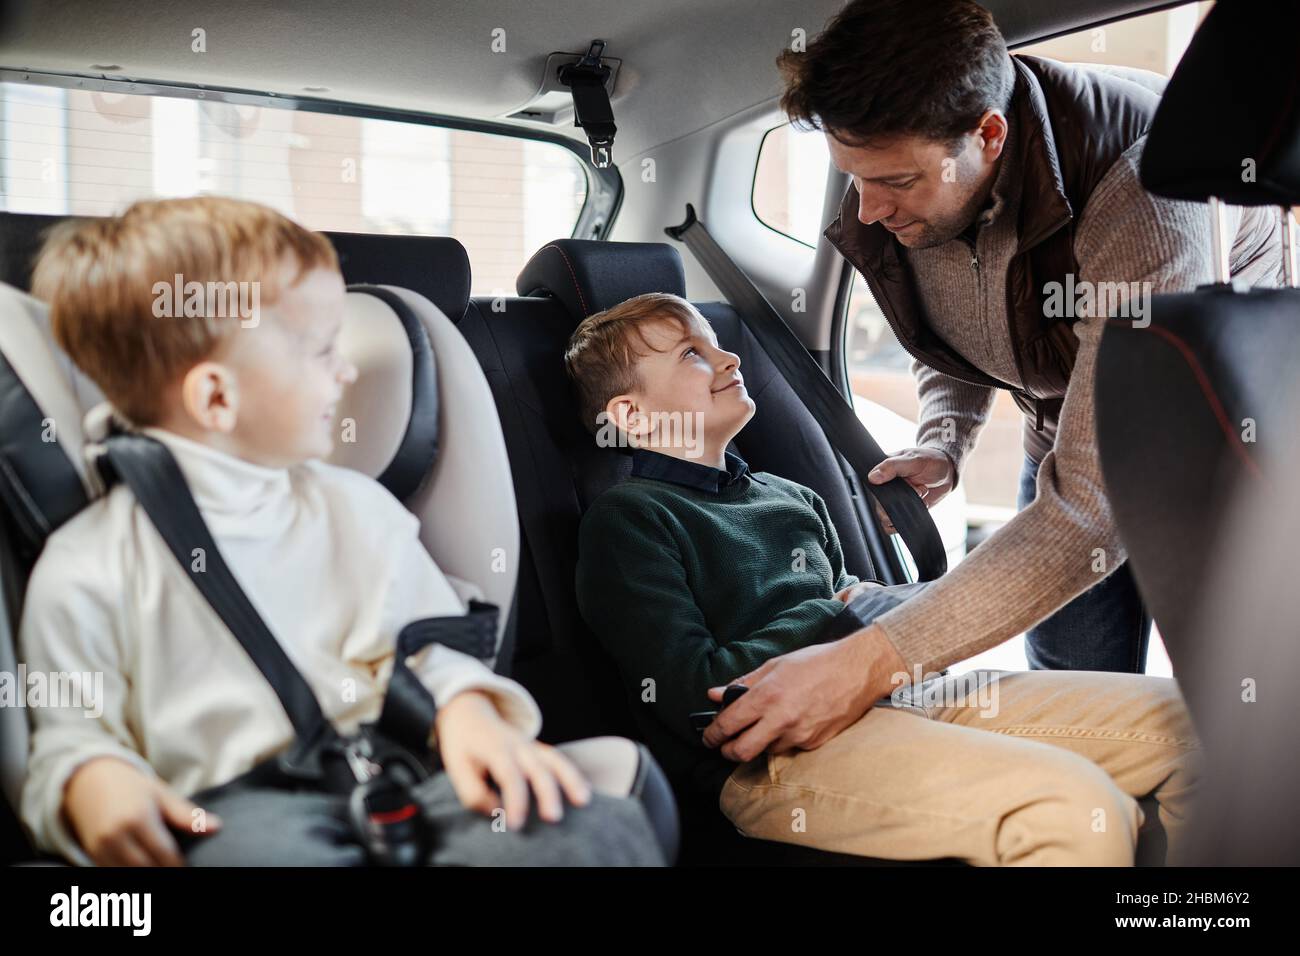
{"x":689,"y":589}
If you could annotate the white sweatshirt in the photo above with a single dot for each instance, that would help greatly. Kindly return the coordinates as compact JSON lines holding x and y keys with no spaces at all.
{"x":328,"y":557}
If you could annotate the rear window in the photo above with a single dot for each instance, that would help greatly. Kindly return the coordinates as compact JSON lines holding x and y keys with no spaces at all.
{"x":77,"y":152}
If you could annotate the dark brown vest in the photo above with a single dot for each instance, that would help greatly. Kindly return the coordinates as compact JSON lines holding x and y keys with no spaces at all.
{"x":1072,"y":124}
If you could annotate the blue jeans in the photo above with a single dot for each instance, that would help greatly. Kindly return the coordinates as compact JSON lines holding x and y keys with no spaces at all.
{"x":1105,"y":628}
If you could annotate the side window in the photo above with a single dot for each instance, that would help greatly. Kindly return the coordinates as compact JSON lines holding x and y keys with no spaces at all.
{"x":880,"y":372}
{"x":67,"y":151}
{"x":790,"y":182}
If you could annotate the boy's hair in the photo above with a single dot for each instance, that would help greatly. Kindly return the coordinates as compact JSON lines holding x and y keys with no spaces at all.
{"x":99,"y":277}
{"x":601,"y":357}
{"x":883,"y":68}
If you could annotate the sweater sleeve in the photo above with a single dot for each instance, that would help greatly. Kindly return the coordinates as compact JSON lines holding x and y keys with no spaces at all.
{"x":634,"y":593}
{"x":70,"y":631}
{"x":952,"y":413}
{"x":1065,"y":541}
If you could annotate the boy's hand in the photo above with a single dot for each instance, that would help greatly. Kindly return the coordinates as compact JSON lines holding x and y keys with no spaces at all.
{"x":121,"y":816}
{"x":853,"y":590}
{"x":477,"y":745}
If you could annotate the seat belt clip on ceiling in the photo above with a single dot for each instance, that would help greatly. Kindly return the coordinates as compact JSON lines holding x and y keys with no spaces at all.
{"x":586,"y":79}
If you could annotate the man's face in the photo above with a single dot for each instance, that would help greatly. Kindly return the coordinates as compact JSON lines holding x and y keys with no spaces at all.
{"x":918,"y":188}
{"x":682,"y":372}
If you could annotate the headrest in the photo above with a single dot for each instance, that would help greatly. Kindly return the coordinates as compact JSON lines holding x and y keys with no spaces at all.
{"x":393,"y":405}
{"x":1229,"y":122}
{"x":436,"y":267}
{"x":43,"y":399}
{"x":589,"y":275}
{"x":49,"y":410}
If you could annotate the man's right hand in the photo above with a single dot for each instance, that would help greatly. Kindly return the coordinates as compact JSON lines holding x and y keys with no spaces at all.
{"x":929,"y":471}
{"x":121,"y":816}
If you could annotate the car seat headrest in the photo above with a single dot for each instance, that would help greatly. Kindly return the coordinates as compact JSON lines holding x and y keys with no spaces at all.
{"x":387,"y":420}
{"x":49,"y":411}
{"x":589,"y":275}
{"x":43,"y":399}
{"x":436,"y":267}
{"x":1228,"y":125}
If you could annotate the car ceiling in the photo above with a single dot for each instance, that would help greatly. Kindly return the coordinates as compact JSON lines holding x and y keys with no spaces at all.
{"x":685,"y":63}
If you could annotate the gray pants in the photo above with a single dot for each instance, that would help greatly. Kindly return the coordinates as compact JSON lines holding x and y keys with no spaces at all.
{"x":265,"y":827}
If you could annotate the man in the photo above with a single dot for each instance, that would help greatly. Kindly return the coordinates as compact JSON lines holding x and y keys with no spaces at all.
{"x":984,"y":187}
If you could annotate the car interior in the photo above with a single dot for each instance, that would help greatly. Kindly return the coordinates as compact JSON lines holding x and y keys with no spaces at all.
{"x":459,"y":334}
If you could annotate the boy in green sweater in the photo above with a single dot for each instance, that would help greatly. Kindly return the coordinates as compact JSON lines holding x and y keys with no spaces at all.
{"x":695,"y":573}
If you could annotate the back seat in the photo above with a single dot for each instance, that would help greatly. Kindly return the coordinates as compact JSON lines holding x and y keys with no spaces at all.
{"x":558,"y":470}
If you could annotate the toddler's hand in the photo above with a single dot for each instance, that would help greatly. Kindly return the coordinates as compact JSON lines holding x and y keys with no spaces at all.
{"x":121,"y":816}
{"x":477,"y":746}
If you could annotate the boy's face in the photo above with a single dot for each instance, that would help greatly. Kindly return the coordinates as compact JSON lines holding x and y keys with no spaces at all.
{"x":272,"y":392}
{"x":684,"y":375}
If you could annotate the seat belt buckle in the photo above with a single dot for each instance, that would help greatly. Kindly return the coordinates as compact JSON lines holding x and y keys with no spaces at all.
{"x":389,"y":821}
{"x":386,"y":816}
{"x":357,"y":753}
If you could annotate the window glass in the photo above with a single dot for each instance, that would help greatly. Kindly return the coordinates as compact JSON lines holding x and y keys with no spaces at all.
{"x":79,"y":152}
{"x":790,"y":182}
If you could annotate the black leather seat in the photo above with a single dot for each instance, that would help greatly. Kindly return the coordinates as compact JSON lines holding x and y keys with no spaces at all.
{"x":559,"y":470}
{"x":1185,"y":405}
{"x":437,"y":267}
{"x":1195,"y":425}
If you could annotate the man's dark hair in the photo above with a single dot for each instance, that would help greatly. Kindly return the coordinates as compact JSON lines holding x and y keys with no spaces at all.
{"x":884,"y":68}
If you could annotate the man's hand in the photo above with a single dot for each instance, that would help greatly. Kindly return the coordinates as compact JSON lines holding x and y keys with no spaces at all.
{"x":929,"y":471}
{"x":800,"y":700}
{"x":121,"y":816}
{"x":477,"y":746}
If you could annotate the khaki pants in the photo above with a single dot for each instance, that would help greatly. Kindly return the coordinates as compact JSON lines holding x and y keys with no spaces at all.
{"x":1032,"y":768}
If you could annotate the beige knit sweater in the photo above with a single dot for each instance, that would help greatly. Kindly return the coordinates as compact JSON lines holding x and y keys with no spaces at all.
{"x":1046,"y":555}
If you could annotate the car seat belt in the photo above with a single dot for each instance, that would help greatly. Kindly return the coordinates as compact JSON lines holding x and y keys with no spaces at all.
{"x":840,"y":423}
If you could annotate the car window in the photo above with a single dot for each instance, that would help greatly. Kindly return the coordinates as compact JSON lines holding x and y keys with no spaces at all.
{"x":78,"y":152}
{"x":790,"y":182}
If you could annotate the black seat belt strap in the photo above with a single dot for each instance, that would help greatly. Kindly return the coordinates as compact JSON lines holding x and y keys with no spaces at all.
{"x":409,"y":709}
{"x":153,"y":476}
{"x":824,"y":401}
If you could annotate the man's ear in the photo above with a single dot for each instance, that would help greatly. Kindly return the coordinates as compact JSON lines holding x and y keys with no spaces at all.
{"x":210,"y":397}
{"x":992,"y":130}
{"x":626,"y":414}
